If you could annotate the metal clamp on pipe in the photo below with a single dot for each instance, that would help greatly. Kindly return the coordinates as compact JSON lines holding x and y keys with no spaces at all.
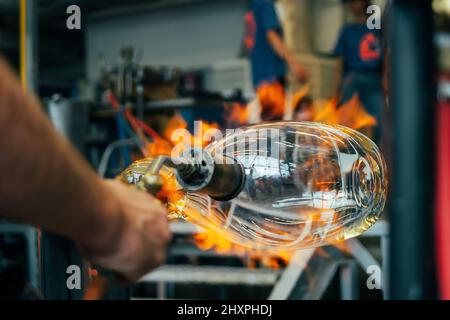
{"x":221,"y":179}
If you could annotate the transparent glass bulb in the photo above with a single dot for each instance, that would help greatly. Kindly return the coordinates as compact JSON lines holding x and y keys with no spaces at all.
{"x":306,"y":185}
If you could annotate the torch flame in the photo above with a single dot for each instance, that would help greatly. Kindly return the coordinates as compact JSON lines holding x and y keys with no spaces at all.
{"x":272,"y":99}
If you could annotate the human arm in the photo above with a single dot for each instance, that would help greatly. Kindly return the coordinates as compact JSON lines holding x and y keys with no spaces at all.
{"x":338,"y":77}
{"x":270,"y":25}
{"x":46,"y":183}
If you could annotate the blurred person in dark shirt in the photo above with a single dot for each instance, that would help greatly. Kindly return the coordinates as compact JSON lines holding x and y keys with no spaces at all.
{"x":361,"y":62}
{"x":269,"y":57}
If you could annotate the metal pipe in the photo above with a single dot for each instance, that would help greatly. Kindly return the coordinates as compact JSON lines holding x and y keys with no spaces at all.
{"x":413,"y":98}
{"x":28,"y":44}
{"x":222,"y":180}
{"x":28,"y":35}
{"x":23,"y":23}
{"x":103,"y":166}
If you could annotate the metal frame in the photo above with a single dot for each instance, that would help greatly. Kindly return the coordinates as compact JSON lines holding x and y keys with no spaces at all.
{"x":31,"y":235}
{"x":292,"y":282}
{"x":328,"y":266}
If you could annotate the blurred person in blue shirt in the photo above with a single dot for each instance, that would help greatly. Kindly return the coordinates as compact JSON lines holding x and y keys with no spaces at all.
{"x":360,"y":51}
{"x":268,"y":52}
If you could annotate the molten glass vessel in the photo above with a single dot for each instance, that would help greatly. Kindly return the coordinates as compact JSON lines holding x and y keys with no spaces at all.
{"x":305,"y":185}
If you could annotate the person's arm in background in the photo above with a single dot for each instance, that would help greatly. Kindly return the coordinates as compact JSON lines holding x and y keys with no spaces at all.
{"x":46,"y":183}
{"x":287,"y":55}
{"x":272,"y":27}
{"x":339,"y":54}
{"x":338,"y":77}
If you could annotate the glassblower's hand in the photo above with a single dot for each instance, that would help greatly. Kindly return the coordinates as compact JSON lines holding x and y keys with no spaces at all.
{"x":140,"y":238}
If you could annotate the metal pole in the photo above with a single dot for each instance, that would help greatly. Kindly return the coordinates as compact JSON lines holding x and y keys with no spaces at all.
{"x":28,"y":17}
{"x":413,"y":101}
{"x":28,"y":44}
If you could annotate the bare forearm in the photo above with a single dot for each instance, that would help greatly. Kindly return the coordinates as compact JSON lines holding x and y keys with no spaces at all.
{"x":287,"y":55}
{"x":280,"y":48}
{"x":44,"y":181}
{"x":338,"y":77}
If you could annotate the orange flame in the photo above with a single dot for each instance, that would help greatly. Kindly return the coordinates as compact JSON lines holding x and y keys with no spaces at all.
{"x":351,"y":114}
{"x":272,"y":99}
{"x":237,"y":114}
{"x":209,"y":240}
{"x":163,"y":145}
